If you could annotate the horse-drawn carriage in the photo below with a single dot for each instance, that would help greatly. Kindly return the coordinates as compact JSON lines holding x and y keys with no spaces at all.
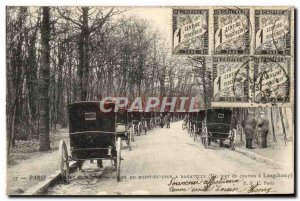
{"x":192,"y":122}
{"x":149,"y":119}
{"x":122,"y":127}
{"x":136,"y":119}
{"x":199,"y":122}
{"x":157,"y":118}
{"x":93,"y":136}
{"x":218,"y":127}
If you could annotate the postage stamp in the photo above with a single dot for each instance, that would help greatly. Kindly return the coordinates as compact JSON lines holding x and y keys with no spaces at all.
{"x":232,"y":31}
{"x":230,"y":79}
{"x":190,"y":31}
{"x":272,"y":80}
{"x":273,"y":32}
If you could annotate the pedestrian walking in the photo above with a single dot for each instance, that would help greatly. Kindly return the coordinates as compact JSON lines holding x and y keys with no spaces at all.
{"x":168,"y":119}
{"x":161,"y":118}
{"x":263,"y":125}
{"x":249,"y":125}
{"x":185,"y":122}
{"x":234,"y":121}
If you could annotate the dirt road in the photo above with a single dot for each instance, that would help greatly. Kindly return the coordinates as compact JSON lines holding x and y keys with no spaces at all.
{"x":168,"y":161}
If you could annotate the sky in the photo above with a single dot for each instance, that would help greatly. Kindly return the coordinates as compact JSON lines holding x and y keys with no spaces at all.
{"x":159,"y":18}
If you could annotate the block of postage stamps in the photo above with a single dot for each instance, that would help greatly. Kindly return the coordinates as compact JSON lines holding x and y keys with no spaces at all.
{"x":230,"y":79}
{"x":190,"y":31}
{"x":231,"y":31}
{"x":272,"y":32}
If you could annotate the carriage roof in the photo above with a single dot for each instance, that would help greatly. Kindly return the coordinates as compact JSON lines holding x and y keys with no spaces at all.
{"x":220,"y":115}
{"x":91,"y":102}
{"x":87,"y":116}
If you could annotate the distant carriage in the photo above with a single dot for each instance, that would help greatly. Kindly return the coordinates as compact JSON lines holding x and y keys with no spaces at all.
{"x":192,"y":122}
{"x":122,"y":127}
{"x":152,"y":121}
{"x":148,"y":120}
{"x":199,"y":124}
{"x":136,"y":119}
{"x":92,"y":136}
{"x":218,"y":127}
{"x":157,"y":118}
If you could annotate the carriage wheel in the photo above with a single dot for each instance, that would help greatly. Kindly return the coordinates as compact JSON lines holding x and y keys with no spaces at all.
{"x":118,"y":160}
{"x":232,"y":140}
{"x":145,"y":128}
{"x":195,"y":135}
{"x":202,"y":135}
{"x":132,"y":129}
{"x":205,"y":138}
{"x":132,"y":135}
{"x":192,"y":131}
{"x":129,"y":140}
{"x":64,"y":163}
{"x":139,"y":128}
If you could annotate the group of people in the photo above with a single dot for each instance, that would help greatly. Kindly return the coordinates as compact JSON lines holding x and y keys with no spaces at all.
{"x":165,"y":120}
{"x":250,"y":123}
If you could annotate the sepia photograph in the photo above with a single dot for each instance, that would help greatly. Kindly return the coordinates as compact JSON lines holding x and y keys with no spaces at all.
{"x":150,"y":100}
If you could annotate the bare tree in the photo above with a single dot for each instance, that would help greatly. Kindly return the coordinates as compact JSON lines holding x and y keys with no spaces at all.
{"x":44,"y":81}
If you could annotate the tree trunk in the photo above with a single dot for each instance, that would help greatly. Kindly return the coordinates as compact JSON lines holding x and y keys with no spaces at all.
{"x":44,"y":79}
{"x":83,"y":54}
{"x":272,"y":124}
{"x":283,"y":127}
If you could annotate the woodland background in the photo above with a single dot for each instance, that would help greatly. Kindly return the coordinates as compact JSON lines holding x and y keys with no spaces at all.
{"x":59,"y":55}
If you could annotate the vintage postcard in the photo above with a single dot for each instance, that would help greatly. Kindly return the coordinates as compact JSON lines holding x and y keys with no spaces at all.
{"x":156,"y":101}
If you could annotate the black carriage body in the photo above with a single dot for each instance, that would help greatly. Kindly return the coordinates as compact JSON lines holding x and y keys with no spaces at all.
{"x":135,"y":117}
{"x":193,"y":117}
{"x":218,"y":123}
{"x":91,"y":131}
{"x":200,"y":117}
{"x":148,"y":116}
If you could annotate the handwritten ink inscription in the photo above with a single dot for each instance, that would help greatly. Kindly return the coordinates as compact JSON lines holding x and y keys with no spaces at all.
{"x":227,"y":183}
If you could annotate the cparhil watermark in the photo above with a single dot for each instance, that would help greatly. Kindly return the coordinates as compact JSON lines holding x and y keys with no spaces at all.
{"x":158,"y":104}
